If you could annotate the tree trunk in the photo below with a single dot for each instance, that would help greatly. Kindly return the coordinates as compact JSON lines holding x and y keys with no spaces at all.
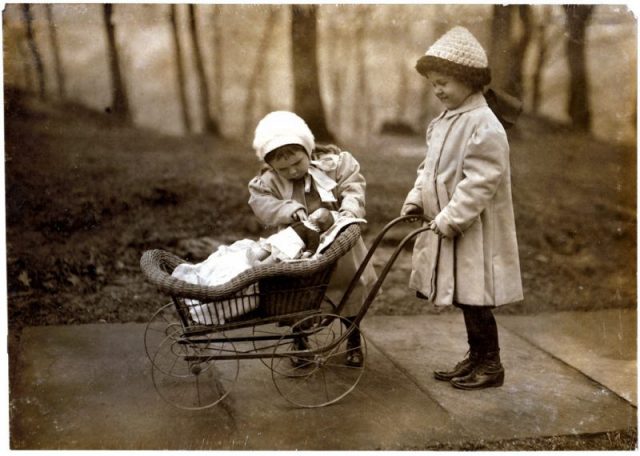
{"x":403,"y":90}
{"x":210,"y":125}
{"x":29,"y":83}
{"x":540,"y":59}
{"x":363,"y":111}
{"x":500,"y":50}
{"x":218,"y":62}
{"x":338,"y":71}
{"x":56,"y":53}
{"x":119,"y":99}
{"x":514,"y":85}
{"x":256,"y":80}
{"x":307,"y":100}
{"x":402,"y":33}
{"x":182,"y":90}
{"x":33,"y":47}
{"x":578,"y":109}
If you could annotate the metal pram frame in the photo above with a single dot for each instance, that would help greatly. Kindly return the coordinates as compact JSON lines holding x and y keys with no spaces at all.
{"x":276,"y":313}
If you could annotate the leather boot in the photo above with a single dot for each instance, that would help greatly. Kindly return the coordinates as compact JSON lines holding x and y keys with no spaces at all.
{"x":464,"y":367}
{"x":488,"y":373}
{"x":355,"y":357}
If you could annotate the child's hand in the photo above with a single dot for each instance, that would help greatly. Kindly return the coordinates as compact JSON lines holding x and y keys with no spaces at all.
{"x":300,"y":215}
{"x":411,"y":209}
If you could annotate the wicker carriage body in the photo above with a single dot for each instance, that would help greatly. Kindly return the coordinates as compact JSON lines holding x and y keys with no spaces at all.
{"x":261,"y":294}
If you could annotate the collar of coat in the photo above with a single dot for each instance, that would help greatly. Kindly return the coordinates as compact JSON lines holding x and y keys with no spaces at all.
{"x":319,"y":166}
{"x":473,"y":101}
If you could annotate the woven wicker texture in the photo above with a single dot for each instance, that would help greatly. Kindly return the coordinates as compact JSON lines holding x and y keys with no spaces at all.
{"x":157,"y":266}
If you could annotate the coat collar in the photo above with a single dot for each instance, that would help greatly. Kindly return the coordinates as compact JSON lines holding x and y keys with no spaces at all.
{"x":473,"y":101}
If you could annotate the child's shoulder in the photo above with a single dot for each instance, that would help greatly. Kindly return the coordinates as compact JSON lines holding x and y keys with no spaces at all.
{"x":482,"y":118}
{"x":326,"y":151}
{"x":332,"y":156}
{"x":265,"y":177}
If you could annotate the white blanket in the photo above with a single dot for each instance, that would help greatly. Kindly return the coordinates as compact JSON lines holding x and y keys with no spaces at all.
{"x":219,"y":268}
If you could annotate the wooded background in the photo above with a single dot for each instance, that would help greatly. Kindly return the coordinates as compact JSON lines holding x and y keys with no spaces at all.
{"x":347,"y":69}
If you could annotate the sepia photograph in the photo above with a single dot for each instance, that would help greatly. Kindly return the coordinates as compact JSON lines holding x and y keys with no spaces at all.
{"x":320,"y":226}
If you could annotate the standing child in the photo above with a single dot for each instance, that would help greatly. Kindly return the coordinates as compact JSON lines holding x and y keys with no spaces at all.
{"x":300,"y":177}
{"x":469,"y":258}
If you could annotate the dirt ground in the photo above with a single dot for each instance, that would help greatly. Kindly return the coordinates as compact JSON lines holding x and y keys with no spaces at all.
{"x":86,"y":196}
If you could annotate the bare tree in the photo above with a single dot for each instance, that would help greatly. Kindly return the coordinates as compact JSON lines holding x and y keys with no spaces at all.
{"x":401,"y":32}
{"x":362,"y":117}
{"x":28,"y":81}
{"x":182,"y":90}
{"x":540,"y":58}
{"x":256,"y":80}
{"x":209,"y":124}
{"x":218,"y":62}
{"x":53,"y":36}
{"x":337,"y":76}
{"x":542,"y":45}
{"x":518,"y":50}
{"x":119,"y":98}
{"x":500,"y":49}
{"x":508,"y":51}
{"x":578,"y":109}
{"x":33,"y":47}
{"x":307,"y":100}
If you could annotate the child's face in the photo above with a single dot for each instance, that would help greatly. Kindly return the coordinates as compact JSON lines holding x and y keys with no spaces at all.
{"x":449,"y":91}
{"x":293,"y":167}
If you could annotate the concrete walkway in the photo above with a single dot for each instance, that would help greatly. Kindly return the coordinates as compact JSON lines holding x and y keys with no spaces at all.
{"x":89,"y":387}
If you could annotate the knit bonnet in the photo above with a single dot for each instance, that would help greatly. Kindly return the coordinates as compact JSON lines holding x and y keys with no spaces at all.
{"x":280,"y":128}
{"x":460,"y":55}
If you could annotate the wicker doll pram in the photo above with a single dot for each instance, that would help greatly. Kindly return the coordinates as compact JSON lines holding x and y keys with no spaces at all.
{"x":290,"y":327}
{"x":281,"y":297}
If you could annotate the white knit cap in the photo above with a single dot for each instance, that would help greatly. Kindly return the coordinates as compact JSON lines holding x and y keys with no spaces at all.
{"x":458,"y":45}
{"x":280,"y":128}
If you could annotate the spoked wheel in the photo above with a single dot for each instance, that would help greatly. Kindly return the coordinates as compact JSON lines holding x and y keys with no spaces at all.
{"x":162,"y":325}
{"x":275,"y":332}
{"x":322,"y":377}
{"x":187,"y":376}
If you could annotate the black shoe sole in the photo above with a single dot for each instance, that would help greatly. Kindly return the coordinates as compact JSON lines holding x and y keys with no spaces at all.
{"x":493,"y":384}
{"x":448,"y":377}
{"x":442,"y":378}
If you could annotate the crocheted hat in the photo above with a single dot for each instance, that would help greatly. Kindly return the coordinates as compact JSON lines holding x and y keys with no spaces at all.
{"x":458,"y":54}
{"x":280,"y":128}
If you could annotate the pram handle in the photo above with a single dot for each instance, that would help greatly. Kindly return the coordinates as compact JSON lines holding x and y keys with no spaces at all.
{"x":402,"y":219}
{"x":157,"y":266}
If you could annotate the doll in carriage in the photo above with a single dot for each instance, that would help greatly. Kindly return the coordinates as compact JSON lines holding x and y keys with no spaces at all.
{"x":299,"y":241}
{"x":269,"y":308}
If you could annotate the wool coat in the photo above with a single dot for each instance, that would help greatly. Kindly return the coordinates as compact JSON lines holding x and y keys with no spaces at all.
{"x":464,"y":183}
{"x":275,"y":199}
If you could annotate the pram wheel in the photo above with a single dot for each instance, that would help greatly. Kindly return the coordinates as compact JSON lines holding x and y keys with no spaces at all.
{"x":194,"y":375}
{"x":274,"y":331}
{"x":320,"y":377}
{"x":162,"y":325}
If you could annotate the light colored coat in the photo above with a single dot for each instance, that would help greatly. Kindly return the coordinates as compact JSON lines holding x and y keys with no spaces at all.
{"x":274,"y":200}
{"x":464,"y":183}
